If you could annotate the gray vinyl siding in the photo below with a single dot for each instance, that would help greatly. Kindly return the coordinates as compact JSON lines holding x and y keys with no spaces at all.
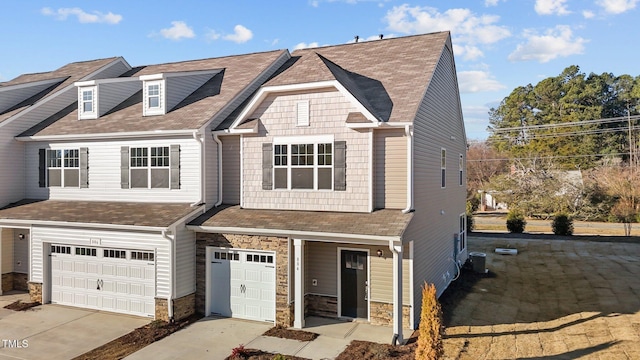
{"x":185,"y":262}
{"x":230,"y":169}
{"x":14,"y":95}
{"x":6,"y":259}
{"x":438,"y":125}
{"x":390,"y":162}
{"x":179,"y":87}
{"x":112,"y":94}
{"x":321,"y":261}
{"x":104,"y":173}
{"x":42,"y":236}
{"x":21,"y":252}
{"x":111,"y":70}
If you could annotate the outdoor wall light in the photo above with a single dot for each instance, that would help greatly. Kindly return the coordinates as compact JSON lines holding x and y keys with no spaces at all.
{"x":21,"y":236}
{"x":380,"y":253}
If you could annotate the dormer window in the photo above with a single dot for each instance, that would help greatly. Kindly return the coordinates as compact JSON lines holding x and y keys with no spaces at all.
{"x":87,"y":104}
{"x":154,"y":98}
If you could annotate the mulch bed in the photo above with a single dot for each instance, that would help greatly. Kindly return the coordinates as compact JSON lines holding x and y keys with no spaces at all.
{"x":251,"y":354}
{"x":22,"y":306}
{"x":137,"y":339}
{"x":373,"y":351}
{"x":284,"y":333}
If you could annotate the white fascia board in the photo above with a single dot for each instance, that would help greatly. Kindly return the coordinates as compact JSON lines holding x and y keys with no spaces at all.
{"x":160,"y":76}
{"x":266,"y":90}
{"x":253,"y":130}
{"x":30,"y":84}
{"x":379,"y":125}
{"x":104,"y":81}
{"x":297,"y":234}
{"x":12,"y":222}
{"x":109,"y":136}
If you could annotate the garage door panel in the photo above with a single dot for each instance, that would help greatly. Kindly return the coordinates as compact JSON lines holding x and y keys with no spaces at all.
{"x":119,"y":284}
{"x":252,"y":275}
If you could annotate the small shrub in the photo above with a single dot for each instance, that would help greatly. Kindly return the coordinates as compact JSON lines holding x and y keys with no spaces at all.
{"x":431,"y":329}
{"x":516,"y":222}
{"x":562,"y":225}
{"x":470,"y":223}
{"x":279,"y":357}
{"x":239,"y":352}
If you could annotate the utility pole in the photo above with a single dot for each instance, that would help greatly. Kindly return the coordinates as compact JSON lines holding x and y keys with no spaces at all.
{"x":632,"y":156}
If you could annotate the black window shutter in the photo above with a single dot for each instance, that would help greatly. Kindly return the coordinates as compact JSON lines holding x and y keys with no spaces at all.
{"x":84,"y":167}
{"x":174,"y":166}
{"x":340,"y":166}
{"x":267,"y":166}
{"x":124,"y":167}
{"x":42,"y":167}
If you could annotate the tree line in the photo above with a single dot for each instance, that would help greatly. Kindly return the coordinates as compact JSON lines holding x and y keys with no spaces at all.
{"x":565,"y":145}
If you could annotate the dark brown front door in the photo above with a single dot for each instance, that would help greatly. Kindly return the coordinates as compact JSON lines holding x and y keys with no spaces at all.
{"x":353,"y":283}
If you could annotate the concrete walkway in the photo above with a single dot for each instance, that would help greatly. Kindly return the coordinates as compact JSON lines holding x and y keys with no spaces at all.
{"x":214,"y":338}
{"x":57,"y":332}
{"x":555,"y":299}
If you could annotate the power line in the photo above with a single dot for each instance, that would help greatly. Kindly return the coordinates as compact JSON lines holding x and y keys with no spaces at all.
{"x":566,"y":124}
{"x":548,"y":157}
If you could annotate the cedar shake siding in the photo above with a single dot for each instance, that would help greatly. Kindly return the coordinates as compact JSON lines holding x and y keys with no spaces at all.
{"x":328,"y":113}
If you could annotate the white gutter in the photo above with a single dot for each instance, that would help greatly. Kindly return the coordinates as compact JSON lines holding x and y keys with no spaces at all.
{"x":172,"y":246}
{"x":298,"y":234}
{"x":379,"y":125}
{"x":216,"y":138}
{"x":10,"y":222}
{"x":200,"y":140}
{"x":409,"y":134}
{"x":133,"y":134}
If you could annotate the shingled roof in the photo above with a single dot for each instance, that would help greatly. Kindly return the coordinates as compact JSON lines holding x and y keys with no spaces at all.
{"x":389,"y":77}
{"x":68,"y":74}
{"x":384,"y":222}
{"x":237,"y":72}
{"x":159,"y":215}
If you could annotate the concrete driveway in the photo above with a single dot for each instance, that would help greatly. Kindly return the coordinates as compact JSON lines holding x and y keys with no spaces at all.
{"x":555,"y":299}
{"x":58,"y":332}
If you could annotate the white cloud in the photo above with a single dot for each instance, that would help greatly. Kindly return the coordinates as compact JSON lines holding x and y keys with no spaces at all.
{"x":178,"y":30}
{"x":304,"y":45}
{"x":556,"y":42}
{"x":467,"y":52}
{"x":83,"y":17}
{"x":212,"y":35}
{"x":477,"y":81}
{"x":467,"y":28}
{"x":551,"y":7}
{"x":588,"y":14}
{"x":488,"y":3}
{"x":240,"y":35}
{"x":617,"y":6}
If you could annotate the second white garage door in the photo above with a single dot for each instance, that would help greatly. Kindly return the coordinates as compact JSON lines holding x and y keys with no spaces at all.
{"x":117,"y":280}
{"x":243,"y":284}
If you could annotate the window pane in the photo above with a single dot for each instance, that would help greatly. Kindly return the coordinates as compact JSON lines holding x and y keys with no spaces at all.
{"x":139,"y":178}
{"x":54,"y":158}
{"x":302,"y":178}
{"x":55,"y":177}
{"x":325,"y":179}
{"x":160,"y":178}
{"x":154,"y":102}
{"x":280,"y":178}
{"x":71,"y":178}
{"x":87,"y":106}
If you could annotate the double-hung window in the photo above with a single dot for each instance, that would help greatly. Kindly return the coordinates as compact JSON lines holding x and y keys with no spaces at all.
{"x":303,"y":166}
{"x":150,"y":167}
{"x":462,"y":236}
{"x":443,"y":168}
{"x":154,"y":98}
{"x":87,"y":102}
{"x":63,"y":168}
{"x":461,"y":170}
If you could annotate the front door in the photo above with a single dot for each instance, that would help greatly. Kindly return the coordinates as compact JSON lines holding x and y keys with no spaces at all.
{"x":353,"y":284}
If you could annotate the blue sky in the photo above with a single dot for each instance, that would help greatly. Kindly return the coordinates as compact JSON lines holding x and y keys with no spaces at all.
{"x":498,"y":44}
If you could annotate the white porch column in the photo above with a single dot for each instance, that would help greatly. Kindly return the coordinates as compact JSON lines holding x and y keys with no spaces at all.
{"x":298,"y":258}
{"x":396,"y":249}
{"x":1,"y":246}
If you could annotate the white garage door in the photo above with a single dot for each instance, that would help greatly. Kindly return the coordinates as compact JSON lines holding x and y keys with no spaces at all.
{"x":243,"y":284}
{"x":117,"y":280}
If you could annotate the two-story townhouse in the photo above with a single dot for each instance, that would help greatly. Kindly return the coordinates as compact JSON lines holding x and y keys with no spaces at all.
{"x":113,"y":174}
{"x":344,"y":188}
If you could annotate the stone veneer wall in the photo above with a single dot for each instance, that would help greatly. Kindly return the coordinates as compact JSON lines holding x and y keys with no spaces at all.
{"x":162,"y":310}
{"x":35,"y":291}
{"x":284,"y":312}
{"x":20,"y":281}
{"x":382,"y":314}
{"x":7,"y":282}
{"x":319,"y":305}
{"x":184,"y":307}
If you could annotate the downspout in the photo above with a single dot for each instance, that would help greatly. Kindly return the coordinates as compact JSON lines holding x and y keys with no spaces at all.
{"x":396,"y":250}
{"x":216,"y":138}
{"x":172,"y":246}
{"x":409,"y":134}
{"x":200,"y":140}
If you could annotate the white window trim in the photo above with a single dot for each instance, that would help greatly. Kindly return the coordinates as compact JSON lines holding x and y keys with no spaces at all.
{"x":443,"y":168}
{"x":85,"y":115}
{"x":62,"y":168}
{"x":296,"y":140}
{"x":160,"y":110}
{"x":149,"y":167}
